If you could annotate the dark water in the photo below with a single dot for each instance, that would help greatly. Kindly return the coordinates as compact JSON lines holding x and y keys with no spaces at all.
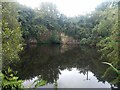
{"x":67,"y":66}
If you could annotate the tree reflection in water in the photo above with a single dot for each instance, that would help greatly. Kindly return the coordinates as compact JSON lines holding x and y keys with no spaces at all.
{"x":49,"y":60}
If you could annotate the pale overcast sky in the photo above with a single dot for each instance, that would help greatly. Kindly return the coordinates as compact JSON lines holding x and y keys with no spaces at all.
{"x":67,"y":7}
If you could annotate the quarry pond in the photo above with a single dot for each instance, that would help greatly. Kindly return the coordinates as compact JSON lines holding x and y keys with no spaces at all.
{"x":64,"y":66}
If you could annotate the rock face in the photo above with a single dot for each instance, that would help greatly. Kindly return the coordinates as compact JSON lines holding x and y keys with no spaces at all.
{"x":48,"y":35}
{"x":67,"y":40}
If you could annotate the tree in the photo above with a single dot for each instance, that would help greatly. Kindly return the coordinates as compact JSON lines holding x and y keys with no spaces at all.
{"x":11,"y":34}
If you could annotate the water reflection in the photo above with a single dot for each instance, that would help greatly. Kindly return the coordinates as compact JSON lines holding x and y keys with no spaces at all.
{"x":69,"y":66}
{"x":73,"y":79}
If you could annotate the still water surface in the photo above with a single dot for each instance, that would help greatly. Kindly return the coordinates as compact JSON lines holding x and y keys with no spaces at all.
{"x":67,"y":66}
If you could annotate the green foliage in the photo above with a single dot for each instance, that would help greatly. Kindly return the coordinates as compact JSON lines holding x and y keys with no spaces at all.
{"x":10,"y":80}
{"x":83,"y":41}
{"x":39,"y":83}
{"x":11,"y":34}
{"x":118,"y":72}
{"x":112,"y":70}
{"x":55,"y":38}
{"x":26,"y":18}
{"x":109,"y":43}
{"x":34,"y":23}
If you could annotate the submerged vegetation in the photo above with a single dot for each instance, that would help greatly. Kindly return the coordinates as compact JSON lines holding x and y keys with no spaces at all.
{"x":46,"y":25}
